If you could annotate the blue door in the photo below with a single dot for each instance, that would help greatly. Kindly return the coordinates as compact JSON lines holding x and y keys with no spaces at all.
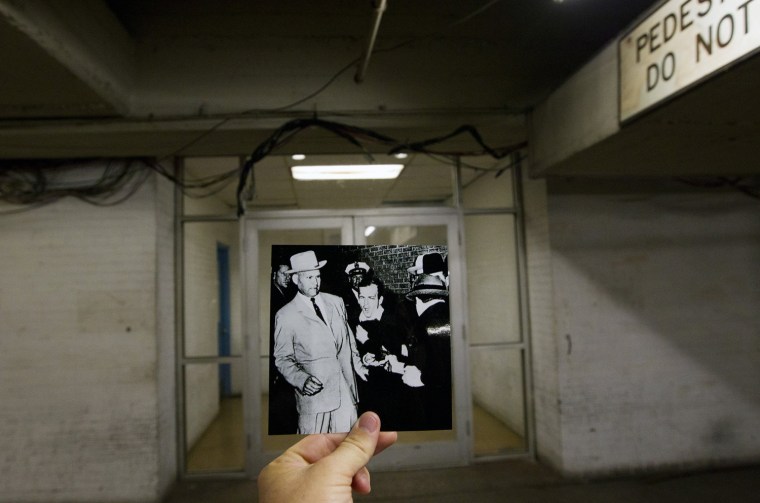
{"x":223,"y":269}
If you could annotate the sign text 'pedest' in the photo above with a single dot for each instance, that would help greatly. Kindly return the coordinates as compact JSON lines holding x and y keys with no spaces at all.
{"x":680,"y":43}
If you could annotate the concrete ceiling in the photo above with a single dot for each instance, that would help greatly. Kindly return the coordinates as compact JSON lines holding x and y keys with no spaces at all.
{"x":709,"y":130}
{"x":88,"y":78}
{"x":424,"y":181}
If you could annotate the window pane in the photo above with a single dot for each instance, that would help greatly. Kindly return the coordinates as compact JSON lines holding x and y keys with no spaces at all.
{"x":214,"y":433}
{"x":497,"y":400}
{"x":211,"y":289}
{"x":492,"y":282}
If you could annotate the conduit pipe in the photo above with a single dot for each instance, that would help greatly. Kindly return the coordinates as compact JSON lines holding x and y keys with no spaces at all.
{"x":377,"y":16}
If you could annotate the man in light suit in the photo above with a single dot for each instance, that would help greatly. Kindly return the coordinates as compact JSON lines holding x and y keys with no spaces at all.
{"x":315,"y":351}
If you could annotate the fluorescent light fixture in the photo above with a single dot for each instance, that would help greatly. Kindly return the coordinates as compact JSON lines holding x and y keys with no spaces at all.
{"x":369,"y":230}
{"x":298,"y":157}
{"x":401,"y":155}
{"x":347,"y":172}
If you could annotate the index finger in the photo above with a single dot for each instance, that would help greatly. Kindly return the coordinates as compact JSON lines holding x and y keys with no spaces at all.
{"x":314,"y":447}
{"x":386,"y":439}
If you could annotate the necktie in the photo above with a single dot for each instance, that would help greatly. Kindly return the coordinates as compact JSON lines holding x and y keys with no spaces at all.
{"x":318,"y":310}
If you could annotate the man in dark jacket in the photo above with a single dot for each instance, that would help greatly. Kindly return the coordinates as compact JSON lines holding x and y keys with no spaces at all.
{"x":283,"y":418}
{"x":431,"y":352}
{"x":381,"y":344}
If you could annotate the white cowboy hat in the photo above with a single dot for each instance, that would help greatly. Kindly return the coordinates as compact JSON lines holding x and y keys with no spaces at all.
{"x":305,"y":261}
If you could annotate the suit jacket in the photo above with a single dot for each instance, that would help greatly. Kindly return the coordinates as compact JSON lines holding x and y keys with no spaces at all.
{"x":305,"y":346}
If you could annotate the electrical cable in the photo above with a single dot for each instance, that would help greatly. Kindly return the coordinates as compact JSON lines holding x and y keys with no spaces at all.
{"x":45,"y":182}
{"x":246,"y":113}
{"x":747,"y":185}
{"x":445,"y":29}
{"x":329,"y":82}
{"x":351,"y":134}
{"x":353,"y":62}
{"x":195,"y":187}
{"x":33,"y":184}
{"x":421,"y":146}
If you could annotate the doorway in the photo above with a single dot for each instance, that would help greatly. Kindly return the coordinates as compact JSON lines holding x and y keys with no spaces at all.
{"x":492,"y":412}
{"x":224,"y":326}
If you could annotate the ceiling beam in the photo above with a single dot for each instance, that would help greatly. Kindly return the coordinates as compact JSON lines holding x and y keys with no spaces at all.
{"x":85,"y":38}
{"x":220,"y":135}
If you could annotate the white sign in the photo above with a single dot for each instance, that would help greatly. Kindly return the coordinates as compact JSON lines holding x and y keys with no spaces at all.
{"x":682,"y":42}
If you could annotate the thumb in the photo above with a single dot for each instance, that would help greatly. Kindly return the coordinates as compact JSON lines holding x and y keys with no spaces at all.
{"x":358,"y":447}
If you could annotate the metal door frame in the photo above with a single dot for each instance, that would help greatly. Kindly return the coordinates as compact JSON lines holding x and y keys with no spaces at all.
{"x":457,"y":211}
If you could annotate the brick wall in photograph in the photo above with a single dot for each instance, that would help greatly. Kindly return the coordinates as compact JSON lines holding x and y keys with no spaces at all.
{"x":390,"y":262}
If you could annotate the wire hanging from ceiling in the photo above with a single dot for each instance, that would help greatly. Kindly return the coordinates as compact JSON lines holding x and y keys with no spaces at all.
{"x":331,"y":80}
{"x":98,"y":182}
{"x":45,"y":182}
{"x":352,"y":135}
{"x":32,"y":184}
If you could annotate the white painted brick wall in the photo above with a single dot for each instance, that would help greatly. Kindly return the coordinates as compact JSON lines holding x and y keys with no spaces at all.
{"x":543,"y":339}
{"x":656,"y":305}
{"x":78,"y":354}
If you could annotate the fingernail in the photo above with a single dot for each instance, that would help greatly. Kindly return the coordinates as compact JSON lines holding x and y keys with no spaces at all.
{"x":369,"y":422}
{"x":365,"y":479}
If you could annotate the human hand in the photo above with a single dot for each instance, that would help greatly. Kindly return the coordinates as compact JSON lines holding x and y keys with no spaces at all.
{"x":312,"y":386}
{"x":412,"y":377}
{"x":393,"y":365}
{"x":370,"y":360}
{"x":322,"y":468}
{"x":362,"y":371}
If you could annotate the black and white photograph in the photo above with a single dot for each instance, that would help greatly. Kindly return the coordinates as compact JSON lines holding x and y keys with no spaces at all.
{"x":356,"y":329}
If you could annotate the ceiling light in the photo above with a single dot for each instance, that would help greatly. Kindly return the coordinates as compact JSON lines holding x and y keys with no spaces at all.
{"x":347,"y":172}
{"x":298,"y":157}
{"x":401,"y":155}
{"x":369,"y":230}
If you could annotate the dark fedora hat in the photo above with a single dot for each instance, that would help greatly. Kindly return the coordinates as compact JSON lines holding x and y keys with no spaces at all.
{"x":428,"y":263}
{"x":425,"y":284}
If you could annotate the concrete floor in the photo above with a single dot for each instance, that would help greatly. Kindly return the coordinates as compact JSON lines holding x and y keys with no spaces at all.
{"x":221,"y":448}
{"x":516,"y":482}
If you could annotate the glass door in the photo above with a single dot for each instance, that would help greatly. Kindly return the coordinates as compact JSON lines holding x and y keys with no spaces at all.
{"x":431,"y":232}
{"x":413,"y":235}
{"x":261,"y":272}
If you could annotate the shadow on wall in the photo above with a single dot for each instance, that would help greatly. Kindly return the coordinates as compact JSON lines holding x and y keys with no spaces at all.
{"x":656,"y":301}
